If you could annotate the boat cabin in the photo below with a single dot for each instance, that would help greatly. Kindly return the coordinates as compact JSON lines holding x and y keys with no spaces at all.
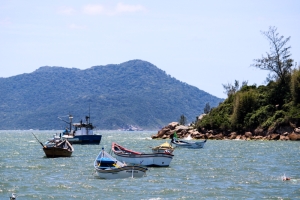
{"x":83,"y":128}
{"x":106,"y":162}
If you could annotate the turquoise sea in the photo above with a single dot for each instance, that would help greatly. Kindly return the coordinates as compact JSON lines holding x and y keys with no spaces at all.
{"x":227,"y":169}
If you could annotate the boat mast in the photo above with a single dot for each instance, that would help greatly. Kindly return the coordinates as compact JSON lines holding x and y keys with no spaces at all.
{"x":70,"y":118}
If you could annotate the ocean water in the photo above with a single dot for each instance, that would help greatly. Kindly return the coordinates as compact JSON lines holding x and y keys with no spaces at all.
{"x":221,"y":170}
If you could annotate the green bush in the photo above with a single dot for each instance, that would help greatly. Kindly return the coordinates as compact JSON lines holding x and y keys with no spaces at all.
{"x":295,"y":87}
{"x":254,"y":107}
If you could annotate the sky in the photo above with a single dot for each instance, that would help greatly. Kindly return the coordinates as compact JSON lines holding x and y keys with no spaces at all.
{"x":203,"y":43}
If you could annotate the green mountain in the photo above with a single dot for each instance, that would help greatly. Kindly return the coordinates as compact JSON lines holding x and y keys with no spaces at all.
{"x":134,"y":93}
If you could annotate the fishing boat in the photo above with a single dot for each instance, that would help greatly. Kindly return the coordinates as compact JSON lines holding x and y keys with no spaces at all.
{"x":56,"y":147}
{"x":107,"y":167}
{"x":82,"y":132}
{"x":165,"y":147}
{"x":146,"y":159}
{"x":62,"y":148}
{"x":188,"y":144}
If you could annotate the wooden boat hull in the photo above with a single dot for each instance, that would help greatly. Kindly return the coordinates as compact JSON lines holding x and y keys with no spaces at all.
{"x":122,"y":172}
{"x":54,"y":152}
{"x":151,"y":159}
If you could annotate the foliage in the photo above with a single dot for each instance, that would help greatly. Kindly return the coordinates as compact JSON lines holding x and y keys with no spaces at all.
{"x":232,"y":89}
{"x":217,"y":118}
{"x":266,"y":107}
{"x":182,"y":120}
{"x":295,"y":86}
{"x":278,"y":60}
{"x":259,"y":116}
{"x":206,"y":108}
{"x":252,"y":107}
{"x":279,"y":118}
{"x":245,"y":102}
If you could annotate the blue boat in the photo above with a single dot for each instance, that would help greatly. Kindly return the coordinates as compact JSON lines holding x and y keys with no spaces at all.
{"x":108,"y":167}
{"x":82,"y":132}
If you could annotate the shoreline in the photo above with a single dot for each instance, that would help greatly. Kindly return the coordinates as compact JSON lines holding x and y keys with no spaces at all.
{"x":188,"y":131}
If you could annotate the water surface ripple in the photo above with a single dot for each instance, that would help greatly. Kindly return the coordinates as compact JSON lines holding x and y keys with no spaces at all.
{"x":221,"y":170}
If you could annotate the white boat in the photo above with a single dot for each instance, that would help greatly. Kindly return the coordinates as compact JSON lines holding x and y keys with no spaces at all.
{"x":186,"y":144}
{"x":163,"y":148}
{"x":107,"y":167}
{"x":146,"y":159}
{"x":82,"y":132}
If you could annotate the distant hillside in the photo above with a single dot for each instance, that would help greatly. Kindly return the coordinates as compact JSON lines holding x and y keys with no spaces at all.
{"x":132,"y":93}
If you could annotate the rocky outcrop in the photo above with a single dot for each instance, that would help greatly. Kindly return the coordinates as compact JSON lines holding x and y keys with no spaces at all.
{"x":294,"y":136}
{"x":283,"y":133}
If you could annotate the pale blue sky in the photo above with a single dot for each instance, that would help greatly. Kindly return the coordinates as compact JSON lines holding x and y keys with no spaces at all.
{"x":203,"y":43}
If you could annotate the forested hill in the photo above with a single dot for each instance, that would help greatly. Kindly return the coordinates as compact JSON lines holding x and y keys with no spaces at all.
{"x":132,"y":93}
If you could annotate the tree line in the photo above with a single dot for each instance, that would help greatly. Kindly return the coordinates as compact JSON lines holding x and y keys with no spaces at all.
{"x":266,"y":107}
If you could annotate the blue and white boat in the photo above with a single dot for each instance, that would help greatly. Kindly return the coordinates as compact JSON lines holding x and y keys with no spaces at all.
{"x":82,"y":132}
{"x":108,"y":167}
{"x":189,"y":145}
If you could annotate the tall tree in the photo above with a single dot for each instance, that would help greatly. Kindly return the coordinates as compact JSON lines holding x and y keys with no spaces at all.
{"x":278,"y":60}
{"x":206,"y":108}
{"x":182,"y":120}
{"x":232,"y":89}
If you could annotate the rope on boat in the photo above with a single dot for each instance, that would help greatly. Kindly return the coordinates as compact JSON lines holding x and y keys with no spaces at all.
{"x":38,"y":140}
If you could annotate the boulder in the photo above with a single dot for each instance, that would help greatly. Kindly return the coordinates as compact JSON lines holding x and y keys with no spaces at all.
{"x":282,"y":137}
{"x":210,"y":136}
{"x":154,"y":137}
{"x":294,"y":136}
{"x":248,"y":134}
{"x":172,"y":125}
{"x":162,"y":132}
{"x":232,"y":135}
{"x":219,"y":136}
{"x":274,"y":136}
{"x":200,"y":136}
{"x":201,"y":116}
{"x":285,"y":134}
{"x":193,"y":133}
{"x":297,"y":130}
{"x":258,"y":137}
{"x":165,"y":137}
{"x":243,"y":137}
{"x":259,"y":131}
{"x":181,"y":128}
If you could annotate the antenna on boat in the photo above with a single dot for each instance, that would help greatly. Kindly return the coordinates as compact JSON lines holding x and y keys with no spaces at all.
{"x":38,"y":140}
{"x":68,"y":122}
{"x":70,"y":118}
{"x":89,"y":111}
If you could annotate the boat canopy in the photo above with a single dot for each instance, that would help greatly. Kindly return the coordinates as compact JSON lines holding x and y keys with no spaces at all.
{"x":166,"y":144}
{"x":105,"y":160}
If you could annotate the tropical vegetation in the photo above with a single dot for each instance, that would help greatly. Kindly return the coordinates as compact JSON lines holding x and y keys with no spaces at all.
{"x":266,"y":108}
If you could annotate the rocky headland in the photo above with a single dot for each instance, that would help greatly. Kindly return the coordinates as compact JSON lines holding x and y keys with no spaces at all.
{"x":284,"y":133}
